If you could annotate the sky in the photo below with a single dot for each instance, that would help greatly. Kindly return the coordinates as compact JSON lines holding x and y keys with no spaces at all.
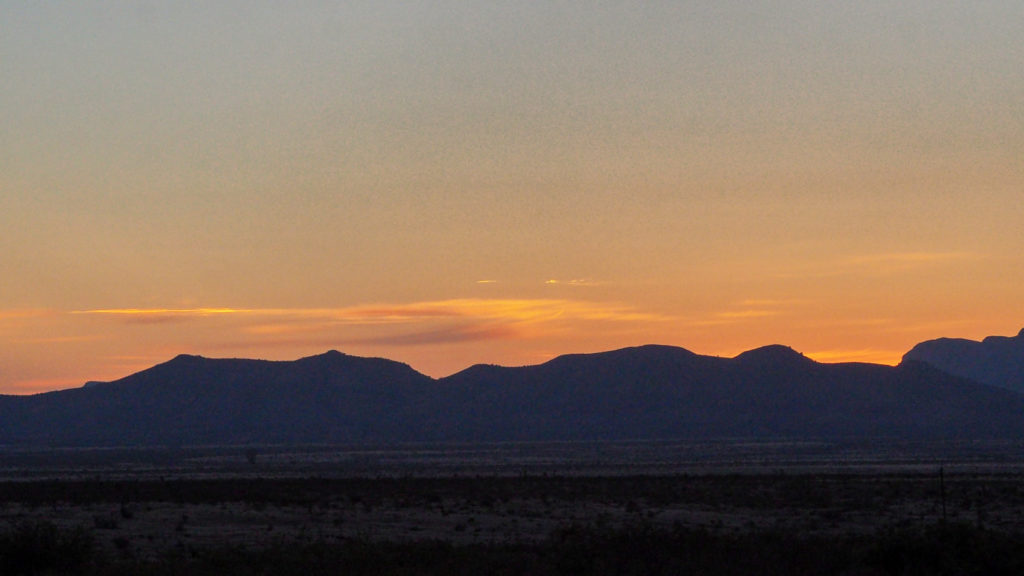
{"x":451,"y":183}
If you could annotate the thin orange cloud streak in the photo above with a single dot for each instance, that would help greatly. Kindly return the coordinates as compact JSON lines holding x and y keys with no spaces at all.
{"x":575,"y":282}
{"x":158,"y":315}
{"x":504,"y":309}
{"x":160,"y":311}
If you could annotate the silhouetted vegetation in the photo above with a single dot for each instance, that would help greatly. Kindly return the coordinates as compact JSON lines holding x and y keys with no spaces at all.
{"x":40,"y":547}
{"x":727,"y":524}
{"x":641,"y":549}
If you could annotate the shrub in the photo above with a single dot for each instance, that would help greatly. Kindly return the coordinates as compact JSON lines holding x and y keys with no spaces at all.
{"x":41,"y":547}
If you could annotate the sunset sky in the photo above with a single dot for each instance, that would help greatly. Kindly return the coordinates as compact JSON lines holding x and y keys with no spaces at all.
{"x":450,"y":183}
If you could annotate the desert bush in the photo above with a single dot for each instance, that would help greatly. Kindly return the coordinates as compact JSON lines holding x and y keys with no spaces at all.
{"x":637,"y":548}
{"x":947,"y":549}
{"x":41,"y":547}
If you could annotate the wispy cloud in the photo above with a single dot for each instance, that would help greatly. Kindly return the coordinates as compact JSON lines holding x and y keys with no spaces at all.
{"x":159,"y":315}
{"x":375,"y":313}
{"x":575,"y":282}
{"x":431,"y":322}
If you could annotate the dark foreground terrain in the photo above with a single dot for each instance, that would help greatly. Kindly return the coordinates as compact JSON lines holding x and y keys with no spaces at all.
{"x":269,"y":513}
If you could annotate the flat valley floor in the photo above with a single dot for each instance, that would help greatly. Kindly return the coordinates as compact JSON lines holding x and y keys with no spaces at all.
{"x":542,"y":509}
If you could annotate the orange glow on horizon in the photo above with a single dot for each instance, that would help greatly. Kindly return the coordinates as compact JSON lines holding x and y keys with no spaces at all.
{"x":436,"y":338}
{"x":886,"y":357}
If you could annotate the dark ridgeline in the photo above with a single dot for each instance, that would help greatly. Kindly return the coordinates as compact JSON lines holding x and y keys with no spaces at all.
{"x":648,"y":392}
{"x":660,"y":392}
{"x":196,"y":400}
{"x":996,"y":360}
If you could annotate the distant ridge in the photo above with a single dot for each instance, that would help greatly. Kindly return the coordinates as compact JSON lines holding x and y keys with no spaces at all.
{"x":194,"y":400}
{"x":996,"y":360}
{"x":645,"y":392}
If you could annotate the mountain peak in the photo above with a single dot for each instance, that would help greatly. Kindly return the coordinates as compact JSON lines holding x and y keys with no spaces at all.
{"x":995,"y":360}
{"x":773,"y":355}
{"x":330,"y":358}
{"x":182,"y":358}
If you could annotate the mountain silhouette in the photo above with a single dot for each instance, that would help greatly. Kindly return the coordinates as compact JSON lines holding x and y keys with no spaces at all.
{"x":996,"y":360}
{"x":771,"y":392}
{"x":194,"y":400}
{"x":647,"y":392}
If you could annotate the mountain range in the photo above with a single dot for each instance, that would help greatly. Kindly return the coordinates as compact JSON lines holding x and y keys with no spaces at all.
{"x":943,"y":389}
